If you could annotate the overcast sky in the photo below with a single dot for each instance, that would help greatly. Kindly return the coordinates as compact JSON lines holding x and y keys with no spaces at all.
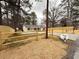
{"x":39,"y":7}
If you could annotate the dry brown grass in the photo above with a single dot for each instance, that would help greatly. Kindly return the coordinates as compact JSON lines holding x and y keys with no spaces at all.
{"x":41,"y":49}
{"x":63,"y":30}
{"x":5,"y":31}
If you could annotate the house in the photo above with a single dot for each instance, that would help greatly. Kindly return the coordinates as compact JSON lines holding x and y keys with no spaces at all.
{"x":33,"y":27}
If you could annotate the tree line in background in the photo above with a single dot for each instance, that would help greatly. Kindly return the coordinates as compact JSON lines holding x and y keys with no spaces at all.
{"x":15,"y":13}
{"x":65,"y":14}
{"x":70,"y":12}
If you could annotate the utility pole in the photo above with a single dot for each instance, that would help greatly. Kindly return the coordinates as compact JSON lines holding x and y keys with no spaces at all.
{"x":47,"y":11}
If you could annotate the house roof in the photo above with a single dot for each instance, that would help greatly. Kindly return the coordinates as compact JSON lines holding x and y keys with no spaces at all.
{"x":34,"y":26}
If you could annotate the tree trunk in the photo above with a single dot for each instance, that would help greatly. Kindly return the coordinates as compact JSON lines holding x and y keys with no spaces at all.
{"x":53,"y":18}
{"x":68,"y":8}
{"x":47,"y":19}
{"x":7,"y":14}
{"x":0,"y":15}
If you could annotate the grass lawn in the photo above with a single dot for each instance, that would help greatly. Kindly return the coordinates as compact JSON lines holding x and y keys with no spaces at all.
{"x":63,"y":30}
{"x":18,"y":46}
{"x":51,"y":48}
{"x":33,"y":46}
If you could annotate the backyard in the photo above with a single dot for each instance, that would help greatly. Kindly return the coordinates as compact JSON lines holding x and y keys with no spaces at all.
{"x":39,"y":29}
{"x":31,"y":46}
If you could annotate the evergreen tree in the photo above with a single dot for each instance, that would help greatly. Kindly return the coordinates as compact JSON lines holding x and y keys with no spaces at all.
{"x":33,"y":17}
{"x":0,"y":15}
{"x":75,"y":9}
{"x":15,"y":10}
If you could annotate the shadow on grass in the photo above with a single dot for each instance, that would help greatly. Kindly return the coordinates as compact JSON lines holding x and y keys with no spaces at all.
{"x":14,"y":45}
{"x":10,"y":40}
{"x":15,"y":34}
{"x":18,"y":44}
